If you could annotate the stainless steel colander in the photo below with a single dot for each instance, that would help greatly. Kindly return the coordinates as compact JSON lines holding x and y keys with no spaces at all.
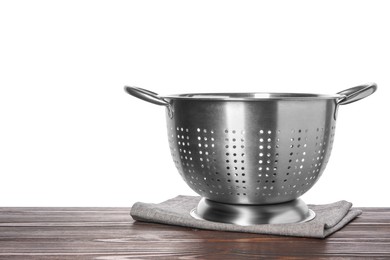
{"x":251,"y":148}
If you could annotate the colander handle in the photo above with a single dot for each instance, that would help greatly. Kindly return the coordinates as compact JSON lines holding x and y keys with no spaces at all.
{"x":150,"y":97}
{"x":146,"y":95}
{"x":356,"y":93}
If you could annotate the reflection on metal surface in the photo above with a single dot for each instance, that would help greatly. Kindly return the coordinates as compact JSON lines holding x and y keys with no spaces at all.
{"x":295,"y":211}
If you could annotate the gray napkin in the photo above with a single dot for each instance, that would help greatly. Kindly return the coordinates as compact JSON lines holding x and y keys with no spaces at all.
{"x":329,"y":218}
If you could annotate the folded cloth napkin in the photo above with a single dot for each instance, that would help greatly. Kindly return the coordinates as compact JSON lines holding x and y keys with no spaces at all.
{"x":329,"y":218}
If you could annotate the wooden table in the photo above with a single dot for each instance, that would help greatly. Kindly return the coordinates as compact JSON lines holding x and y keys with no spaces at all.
{"x":110,"y":233}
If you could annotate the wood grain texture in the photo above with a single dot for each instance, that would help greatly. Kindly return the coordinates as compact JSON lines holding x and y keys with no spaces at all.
{"x":110,"y":233}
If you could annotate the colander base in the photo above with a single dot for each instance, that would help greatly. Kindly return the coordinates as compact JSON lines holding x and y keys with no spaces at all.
{"x":295,"y":211}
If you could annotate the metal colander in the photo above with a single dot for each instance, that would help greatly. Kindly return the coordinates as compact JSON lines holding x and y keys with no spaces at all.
{"x":251,"y":148}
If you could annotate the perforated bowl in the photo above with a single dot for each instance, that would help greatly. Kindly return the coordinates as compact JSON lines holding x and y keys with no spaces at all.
{"x":251,"y":148}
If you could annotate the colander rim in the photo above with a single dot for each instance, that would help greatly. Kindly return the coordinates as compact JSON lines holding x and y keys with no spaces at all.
{"x":252,"y":96}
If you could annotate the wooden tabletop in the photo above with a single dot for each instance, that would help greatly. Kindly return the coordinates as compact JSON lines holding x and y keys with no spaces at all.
{"x":110,"y":233}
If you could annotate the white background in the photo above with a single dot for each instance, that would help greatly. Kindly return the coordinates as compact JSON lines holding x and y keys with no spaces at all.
{"x":70,"y":135}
